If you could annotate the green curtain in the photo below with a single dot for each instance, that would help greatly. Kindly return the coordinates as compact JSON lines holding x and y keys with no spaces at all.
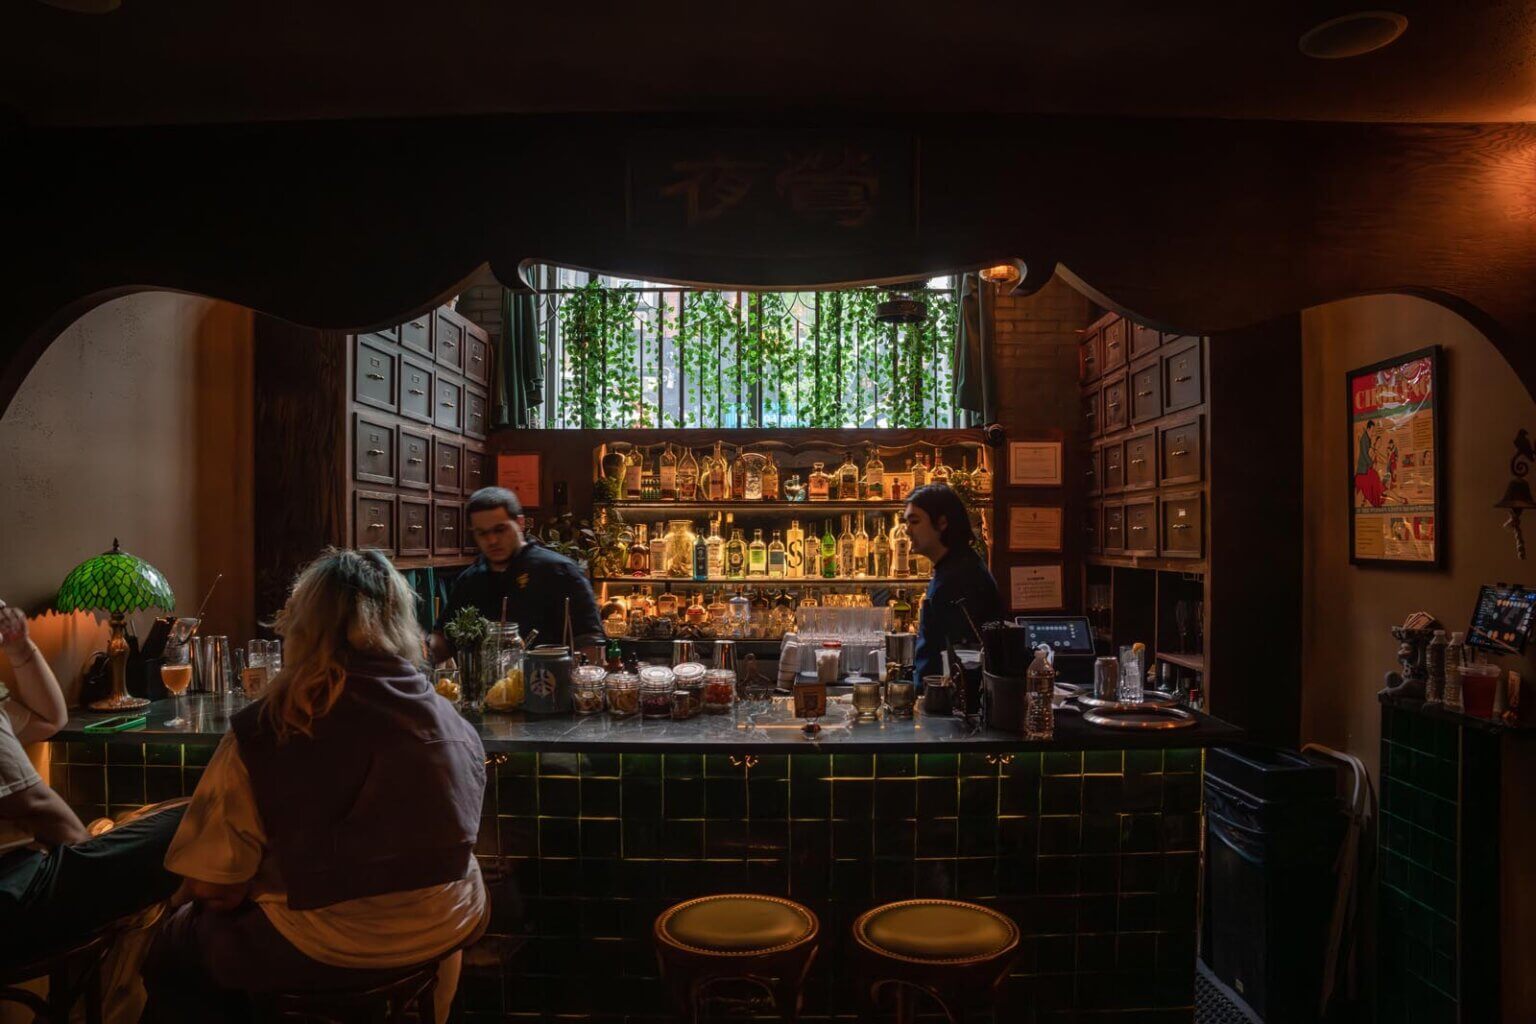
{"x":519,"y":361}
{"x":975,"y":376}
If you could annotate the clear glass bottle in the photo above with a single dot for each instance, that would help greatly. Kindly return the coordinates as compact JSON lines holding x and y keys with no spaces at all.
{"x":794,"y":551}
{"x":1040,"y":684}
{"x":736,"y":555}
{"x":739,"y":615}
{"x":716,"y":546}
{"x":901,"y":548}
{"x":658,"y":550}
{"x":846,"y":565}
{"x":847,"y":485}
{"x":738,"y":476}
{"x":650,"y":489}
{"x":874,"y":476}
{"x":680,"y":544}
{"x":828,"y":552}
{"x":808,"y":598}
{"x":770,"y":479}
{"x":633,"y":470}
{"x":666,"y":604}
{"x":718,"y":609}
{"x":776,"y":556}
{"x":919,"y":472}
{"x":639,"y":552}
{"x":687,"y":477}
{"x":696,"y":614}
{"x":753,"y":488}
{"x":901,"y":613}
{"x":757,"y":555}
{"x":860,"y":548}
{"x":981,"y":480}
{"x":666,"y":474}
{"x":819,"y":487}
{"x":940,"y":474}
{"x":880,"y":553}
{"x":719,"y":476}
{"x":962,"y":476}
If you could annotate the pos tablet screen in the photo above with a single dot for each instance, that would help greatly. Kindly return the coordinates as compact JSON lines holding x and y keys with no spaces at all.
{"x":1502,"y":620}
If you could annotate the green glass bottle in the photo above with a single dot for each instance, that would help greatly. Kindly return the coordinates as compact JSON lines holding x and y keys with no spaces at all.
{"x":828,"y":552}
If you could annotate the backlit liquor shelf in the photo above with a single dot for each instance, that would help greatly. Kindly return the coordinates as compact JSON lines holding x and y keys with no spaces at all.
{"x":810,"y":509}
{"x":769,"y":581}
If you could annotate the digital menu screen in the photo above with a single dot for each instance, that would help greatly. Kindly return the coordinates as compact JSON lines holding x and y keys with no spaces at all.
{"x":1062,"y":634}
{"x":1502,"y":620}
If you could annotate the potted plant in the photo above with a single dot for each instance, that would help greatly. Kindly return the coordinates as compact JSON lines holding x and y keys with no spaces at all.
{"x":466,"y":631}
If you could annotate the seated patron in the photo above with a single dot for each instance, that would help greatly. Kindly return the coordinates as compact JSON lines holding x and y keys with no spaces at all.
{"x":330,"y":841}
{"x":57,"y":884}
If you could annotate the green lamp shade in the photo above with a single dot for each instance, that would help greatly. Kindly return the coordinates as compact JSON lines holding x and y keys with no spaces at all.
{"x":114,"y":582}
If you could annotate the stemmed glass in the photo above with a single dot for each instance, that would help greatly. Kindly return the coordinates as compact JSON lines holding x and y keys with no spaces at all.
{"x":176,"y":674}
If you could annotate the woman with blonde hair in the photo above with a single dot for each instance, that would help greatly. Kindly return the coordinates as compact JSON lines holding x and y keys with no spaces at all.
{"x":330,"y":841}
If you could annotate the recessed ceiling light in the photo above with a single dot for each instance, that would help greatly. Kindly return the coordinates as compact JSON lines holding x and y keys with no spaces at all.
{"x":1351,"y":35}
{"x":84,"y":6}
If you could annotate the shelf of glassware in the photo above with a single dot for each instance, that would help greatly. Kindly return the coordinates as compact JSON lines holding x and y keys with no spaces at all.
{"x":763,"y":507}
{"x":774,"y":581}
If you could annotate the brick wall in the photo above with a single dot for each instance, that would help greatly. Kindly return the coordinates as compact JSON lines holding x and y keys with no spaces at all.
{"x":1037,"y":338}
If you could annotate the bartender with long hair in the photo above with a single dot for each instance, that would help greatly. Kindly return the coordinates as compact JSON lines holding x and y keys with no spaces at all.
{"x":940,"y":529}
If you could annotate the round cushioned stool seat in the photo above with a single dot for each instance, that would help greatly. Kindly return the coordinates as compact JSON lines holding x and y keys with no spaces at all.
{"x":936,"y":931}
{"x":736,"y":924}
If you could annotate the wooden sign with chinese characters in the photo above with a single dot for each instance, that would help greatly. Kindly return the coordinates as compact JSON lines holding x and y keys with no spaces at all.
{"x":518,"y":472}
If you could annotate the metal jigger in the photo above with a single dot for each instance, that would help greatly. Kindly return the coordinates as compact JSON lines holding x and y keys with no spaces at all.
{"x":725,"y":654}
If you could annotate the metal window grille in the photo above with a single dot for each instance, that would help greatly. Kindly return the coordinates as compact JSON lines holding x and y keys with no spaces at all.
{"x":623,"y":353}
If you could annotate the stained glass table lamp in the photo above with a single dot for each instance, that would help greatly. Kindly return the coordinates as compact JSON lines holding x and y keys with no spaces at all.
{"x":117,"y":583}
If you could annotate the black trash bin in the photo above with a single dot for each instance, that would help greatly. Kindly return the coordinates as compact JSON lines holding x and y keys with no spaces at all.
{"x":1273,"y":828}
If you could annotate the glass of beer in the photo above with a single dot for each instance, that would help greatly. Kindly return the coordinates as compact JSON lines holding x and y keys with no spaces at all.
{"x":176,"y":674}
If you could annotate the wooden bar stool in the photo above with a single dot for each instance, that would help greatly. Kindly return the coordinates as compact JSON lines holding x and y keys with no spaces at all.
{"x":383,"y":1004}
{"x":73,"y":974}
{"x":763,"y":940}
{"x":948,"y":950}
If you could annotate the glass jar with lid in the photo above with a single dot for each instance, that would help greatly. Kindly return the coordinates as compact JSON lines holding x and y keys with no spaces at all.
{"x":623,"y":693}
{"x":500,"y":677}
{"x":656,"y":685}
{"x":719,"y":690}
{"x":679,"y":549}
{"x":587,"y":689}
{"x":687,"y":689}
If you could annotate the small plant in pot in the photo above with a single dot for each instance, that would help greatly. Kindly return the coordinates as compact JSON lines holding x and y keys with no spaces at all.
{"x":465,"y":631}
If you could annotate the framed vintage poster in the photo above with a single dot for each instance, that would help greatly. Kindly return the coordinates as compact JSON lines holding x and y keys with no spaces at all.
{"x":1034,"y":528}
{"x":1396,"y":480}
{"x":518,"y":472}
{"x":1034,"y":463}
{"x":1035,"y":588}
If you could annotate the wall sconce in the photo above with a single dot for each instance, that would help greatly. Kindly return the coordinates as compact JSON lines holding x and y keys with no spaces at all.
{"x":1003,"y":275}
{"x":1517,"y":493}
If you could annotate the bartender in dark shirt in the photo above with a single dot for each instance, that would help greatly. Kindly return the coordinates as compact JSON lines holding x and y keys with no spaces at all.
{"x":534,"y":580}
{"x":940,"y":529}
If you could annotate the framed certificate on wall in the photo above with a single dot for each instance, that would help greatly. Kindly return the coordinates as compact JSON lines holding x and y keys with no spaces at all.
{"x":518,"y":472}
{"x":1035,"y":588}
{"x":1034,"y":528}
{"x":1034,"y":463}
{"x":1396,"y":470}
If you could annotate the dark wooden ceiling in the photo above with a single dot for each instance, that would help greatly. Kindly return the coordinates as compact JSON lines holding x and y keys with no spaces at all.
{"x":195,"y":61}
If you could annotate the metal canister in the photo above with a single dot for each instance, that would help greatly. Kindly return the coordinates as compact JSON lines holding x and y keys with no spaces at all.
{"x":901,"y":649}
{"x":547,"y":680}
{"x":1106,"y":678}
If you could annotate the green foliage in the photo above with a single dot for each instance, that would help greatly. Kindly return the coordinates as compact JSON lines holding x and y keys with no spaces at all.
{"x":466,"y":629}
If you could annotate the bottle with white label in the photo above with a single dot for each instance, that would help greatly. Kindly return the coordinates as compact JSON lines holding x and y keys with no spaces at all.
{"x":794,"y":551}
{"x":1040,"y":686}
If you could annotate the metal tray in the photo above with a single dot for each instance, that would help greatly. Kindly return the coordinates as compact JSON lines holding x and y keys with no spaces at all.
{"x":1141,"y":718}
{"x":1149,"y":699}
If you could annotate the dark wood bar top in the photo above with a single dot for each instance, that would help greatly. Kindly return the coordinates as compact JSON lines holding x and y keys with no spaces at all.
{"x":739,"y":732}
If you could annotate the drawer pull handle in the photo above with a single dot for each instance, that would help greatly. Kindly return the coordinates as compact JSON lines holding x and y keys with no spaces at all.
{"x":1135,"y":528}
{"x":479,"y":360}
{"x":1137,"y":462}
{"x":414,"y":462}
{"x":449,"y":468}
{"x":446,"y":528}
{"x":1178,"y":526}
{"x":414,"y":527}
{"x":375,"y":376}
{"x":1145,"y":394}
{"x":375,"y":526}
{"x":448,"y":405}
{"x":1181,"y":380}
{"x":417,"y":391}
{"x":1179,"y":451}
{"x":417,"y":324}
{"x":1111,"y":405}
{"x":375,"y":451}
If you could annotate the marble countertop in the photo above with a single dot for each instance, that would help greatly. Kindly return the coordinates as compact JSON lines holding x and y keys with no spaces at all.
{"x":760,"y":731}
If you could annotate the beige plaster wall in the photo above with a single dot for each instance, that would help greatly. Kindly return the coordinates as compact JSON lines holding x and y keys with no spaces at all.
{"x":1346,"y":610}
{"x":135,"y":424}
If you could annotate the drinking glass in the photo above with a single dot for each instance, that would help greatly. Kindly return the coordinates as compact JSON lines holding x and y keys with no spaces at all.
{"x":176,"y":675}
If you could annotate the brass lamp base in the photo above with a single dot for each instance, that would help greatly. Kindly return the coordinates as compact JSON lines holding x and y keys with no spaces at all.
{"x":117,"y":654}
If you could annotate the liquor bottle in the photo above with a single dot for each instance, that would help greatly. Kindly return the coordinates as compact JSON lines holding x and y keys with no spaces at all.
{"x":667,"y":475}
{"x":961,"y":477}
{"x":736,"y":555}
{"x":632,"y":475}
{"x":639,"y":553}
{"x":716,"y":546}
{"x":649,"y":489}
{"x":658,"y":550}
{"x":847,"y":483}
{"x":940,"y":474}
{"x":717,"y":607}
{"x":739,"y":476}
{"x":901,"y":612}
{"x":901,"y":548}
{"x":757,"y":555}
{"x":753,"y":490}
{"x":700,"y":557}
{"x":981,"y":480}
{"x":641,"y":602}
{"x":819,"y":488}
{"x":696,"y":613}
{"x":874,"y":476}
{"x":770,"y":480}
{"x":846,"y":566}
{"x":861,"y":549}
{"x":828,"y":552}
{"x":794,"y":551}
{"x":613,"y":655}
{"x":776,"y":555}
{"x":666,"y":604}
{"x":919,"y":472}
{"x":719,"y":476}
{"x":808,"y":598}
{"x":687,"y":477}
{"x":880,"y":553}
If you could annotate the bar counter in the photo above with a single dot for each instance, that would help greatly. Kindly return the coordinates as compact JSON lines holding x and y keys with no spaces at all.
{"x":591,"y":827}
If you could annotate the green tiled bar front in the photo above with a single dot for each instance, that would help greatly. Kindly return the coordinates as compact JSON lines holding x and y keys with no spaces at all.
{"x":1094,"y":853}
